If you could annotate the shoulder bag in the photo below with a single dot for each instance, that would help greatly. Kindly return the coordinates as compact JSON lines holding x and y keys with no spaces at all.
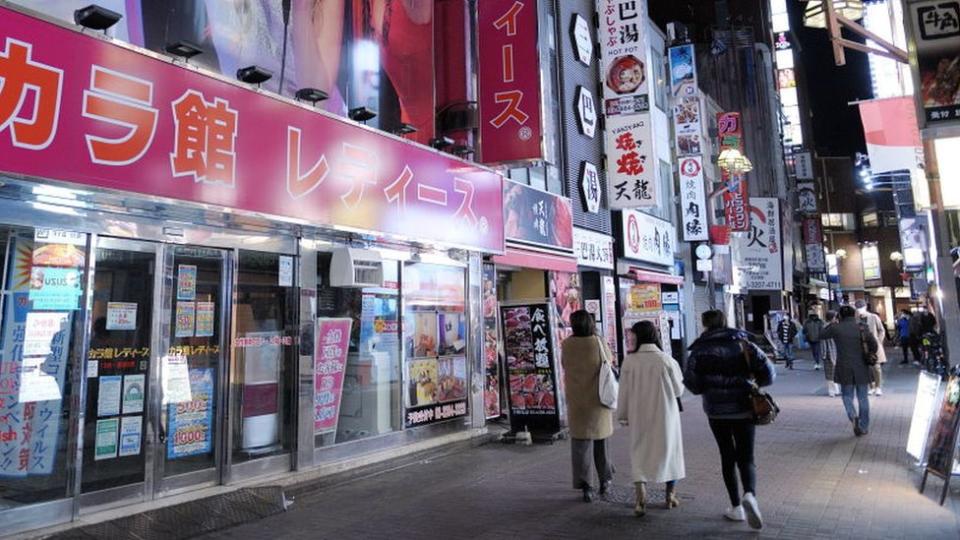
{"x":609,"y":387}
{"x":870,"y":358}
{"x":762,"y":405}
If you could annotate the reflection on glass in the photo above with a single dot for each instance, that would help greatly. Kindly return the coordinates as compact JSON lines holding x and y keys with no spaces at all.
{"x":262,"y":384}
{"x":42,"y":286}
{"x":370,"y":394}
{"x":118,"y":362}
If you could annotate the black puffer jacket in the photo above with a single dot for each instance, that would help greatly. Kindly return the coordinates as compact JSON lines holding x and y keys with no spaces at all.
{"x":717,"y":369}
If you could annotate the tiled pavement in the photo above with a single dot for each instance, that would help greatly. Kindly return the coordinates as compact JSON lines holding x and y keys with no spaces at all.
{"x":815,"y":481}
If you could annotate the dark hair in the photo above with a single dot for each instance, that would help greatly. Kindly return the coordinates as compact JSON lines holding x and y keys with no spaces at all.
{"x":928,"y":322}
{"x":713,"y":319}
{"x":582,"y":324}
{"x":646,"y":333}
{"x":831,"y":315}
{"x":847,"y":312}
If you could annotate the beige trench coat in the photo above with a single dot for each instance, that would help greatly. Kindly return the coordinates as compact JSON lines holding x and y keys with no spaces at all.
{"x":586,"y":416}
{"x":650,"y":383}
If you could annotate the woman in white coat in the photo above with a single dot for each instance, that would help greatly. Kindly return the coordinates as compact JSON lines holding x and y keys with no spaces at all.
{"x":650,"y":383}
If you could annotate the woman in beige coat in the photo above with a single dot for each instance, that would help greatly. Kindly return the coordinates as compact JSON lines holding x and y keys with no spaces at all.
{"x":590,"y":422}
{"x":650,"y":384}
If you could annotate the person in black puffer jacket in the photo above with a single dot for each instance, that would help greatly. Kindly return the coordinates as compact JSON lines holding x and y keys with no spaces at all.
{"x":721,"y":362}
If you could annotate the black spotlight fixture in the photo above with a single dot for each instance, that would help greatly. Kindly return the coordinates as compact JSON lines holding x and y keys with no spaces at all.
{"x":254,"y":75}
{"x":95,"y":17}
{"x":313,"y":95}
{"x":461,"y":150}
{"x":405,"y":129}
{"x":361,"y":114}
{"x":183,"y":49}
{"x":441,"y":142}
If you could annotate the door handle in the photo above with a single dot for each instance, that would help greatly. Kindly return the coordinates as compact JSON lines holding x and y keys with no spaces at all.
{"x":162,"y":435}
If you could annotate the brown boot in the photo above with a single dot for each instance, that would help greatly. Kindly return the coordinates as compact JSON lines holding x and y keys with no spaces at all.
{"x":641,"y":507}
{"x":671,"y":496}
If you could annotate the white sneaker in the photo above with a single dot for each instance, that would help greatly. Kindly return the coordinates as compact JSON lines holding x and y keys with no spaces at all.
{"x":871,"y":391}
{"x":879,"y":392}
{"x":753,"y":511}
{"x":735,"y":513}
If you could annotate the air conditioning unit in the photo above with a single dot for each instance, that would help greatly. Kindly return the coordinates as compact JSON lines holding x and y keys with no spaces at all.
{"x":353,"y":267}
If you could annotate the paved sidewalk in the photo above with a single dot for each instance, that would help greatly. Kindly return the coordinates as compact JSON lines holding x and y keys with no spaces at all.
{"x":815,"y":480}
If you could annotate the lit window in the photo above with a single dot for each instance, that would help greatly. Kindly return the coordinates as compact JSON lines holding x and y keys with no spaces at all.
{"x":788,"y":96}
{"x":784,"y":59}
{"x":781,"y":22}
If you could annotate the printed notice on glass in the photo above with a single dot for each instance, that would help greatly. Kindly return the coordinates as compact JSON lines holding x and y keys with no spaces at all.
{"x":40,"y":332}
{"x":175,"y":381}
{"x":93,"y":369}
{"x":285,"y":278}
{"x":55,"y":288}
{"x":54,"y":236}
{"x":106,"y":441}
{"x":204,"y":316}
{"x":186,"y":317}
{"x":130,"y":431}
{"x":36,"y":384}
{"x":108,"y":402}
{"x":121,"y":316}
{"x":186,"y":282}
{"x":133,"y":393}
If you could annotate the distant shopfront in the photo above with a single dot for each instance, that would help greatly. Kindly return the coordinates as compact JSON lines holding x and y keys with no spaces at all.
{"x":204,"y":284}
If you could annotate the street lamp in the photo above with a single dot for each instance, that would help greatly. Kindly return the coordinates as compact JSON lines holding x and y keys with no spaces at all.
{"x":732,"y":161}
{"x":896,"y":256}
{"x":815,"y":15}
{"x":841,"y":254}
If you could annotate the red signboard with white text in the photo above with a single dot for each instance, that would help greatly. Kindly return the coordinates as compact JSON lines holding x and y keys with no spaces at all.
{"x":79,"y":109}
{"x":509,"y":71}
{"x":736,"y":198}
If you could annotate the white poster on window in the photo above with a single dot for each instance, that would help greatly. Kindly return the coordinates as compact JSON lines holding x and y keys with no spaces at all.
{"x":131,"y":428}
{"x":121,"y":316}
{"x":175,"y":379}
{"x":108,"y":399}
{"x":758,"y":252}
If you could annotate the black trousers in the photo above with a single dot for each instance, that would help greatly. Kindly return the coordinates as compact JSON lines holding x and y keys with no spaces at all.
{"x":735,"y":440}
{"x":583,"y":462}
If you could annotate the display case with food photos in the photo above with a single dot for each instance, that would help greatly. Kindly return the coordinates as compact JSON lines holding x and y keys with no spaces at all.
{"x":532,"y":375}
{"x":434,"y":343}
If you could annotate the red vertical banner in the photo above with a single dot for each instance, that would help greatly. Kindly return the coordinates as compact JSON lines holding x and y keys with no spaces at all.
{"x":509,"y":73}
{"x":736,"y":198}
{"x":330,"y":366}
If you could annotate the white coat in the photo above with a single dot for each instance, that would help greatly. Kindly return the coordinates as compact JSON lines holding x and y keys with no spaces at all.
{"x":650,"y":383}
{"x":875,"y":324}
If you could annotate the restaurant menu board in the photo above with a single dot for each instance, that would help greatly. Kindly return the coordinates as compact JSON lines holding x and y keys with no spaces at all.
{"x":491,"y":356}
{"x":190,"y":423}
{"x":924,"y":407}
{"x":44,"y":273}
{"x":333,"y":344}
{"x":434,"y":344}
{"x":532,"y":373}
{"x":943,"y":437}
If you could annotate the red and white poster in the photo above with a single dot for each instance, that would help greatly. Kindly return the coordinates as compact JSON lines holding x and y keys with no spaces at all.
{"x":628,"y":143}
{"x":509,"y":73}
{"x":893,"y":138}
{"x":330,"y":357}
{"x":736,"y":197}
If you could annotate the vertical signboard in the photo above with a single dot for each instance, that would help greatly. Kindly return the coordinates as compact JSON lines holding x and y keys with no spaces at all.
{"x":924,"y":407}
{"x":687,"y":120}
{"x":870,"y":256}
{"x":758,"y":254}
{"x":693,"y":200}
{"x":532,"y":372}
{"x":935,"y":28}
{"x":609,"y":291}
{"x":491,"y":356}
{"x":736,"y":199}
{"x":941,"y":448}
{"x":628,"y":141}
{"x":813,"y":245}
{"x":913,"y":242}
{"x":509,"y":80}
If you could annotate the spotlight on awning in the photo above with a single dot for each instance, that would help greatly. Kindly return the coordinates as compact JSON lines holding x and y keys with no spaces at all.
{"x":313,"y":95}
{"x":441,"y":142}
{"x":95,"y":17}
{"x":254,"y":75}
{"x":361,"y":114}
{"x":405,"y":129}
{"x":183,"y":49}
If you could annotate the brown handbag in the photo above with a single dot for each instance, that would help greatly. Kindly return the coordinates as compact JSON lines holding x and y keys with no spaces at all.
{"x":762,"y":405}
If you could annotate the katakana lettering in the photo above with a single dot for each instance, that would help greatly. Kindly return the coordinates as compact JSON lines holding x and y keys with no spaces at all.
{"x":19,"y":74}
{"x":509,"y":19}
{"x":120,"y":100}
{"x":397,"y":190}
{"x":432,"y":195}
{"x":299,"y":185}
{"x":205,"y":139}
{"x":512,"y":110}
{"x":465,"y":211}
{"x":357,"y":166}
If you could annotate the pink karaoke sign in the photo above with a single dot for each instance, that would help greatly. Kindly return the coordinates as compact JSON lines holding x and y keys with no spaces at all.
{"x":333,"y":344}
{"x":80,"y":109}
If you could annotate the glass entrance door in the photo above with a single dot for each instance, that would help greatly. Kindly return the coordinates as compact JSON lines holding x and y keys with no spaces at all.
{"x":192,"y":368}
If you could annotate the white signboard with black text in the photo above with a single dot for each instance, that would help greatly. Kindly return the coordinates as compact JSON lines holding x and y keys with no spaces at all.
{"x":693,"y":200}
{"x":758,"y":253}
{"x":593,"y":249}
{"x":590,"y":187}
{"x":648,"y":238}
{"x":631,"y":179}
{"x":582,"y":40}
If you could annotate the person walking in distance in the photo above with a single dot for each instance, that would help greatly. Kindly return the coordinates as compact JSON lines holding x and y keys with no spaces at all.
{"x":853,"y":341}
{"x":720,"y":365}
{"x":786,"y":333}
{"x":829,"y":349}
{"x":591,"y":424}
{"x":874,"y":324}
{"x":811,"y":331}
{"x":651,"y":382}
{"x":903,"y":335}
{"x":916,"y":334}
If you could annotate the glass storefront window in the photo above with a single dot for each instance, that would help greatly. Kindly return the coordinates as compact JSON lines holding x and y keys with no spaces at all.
{"x":434,"y":343}
{"x":43,"y":283}
{"x":357,"y":396}
{"x":266,"y":328}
